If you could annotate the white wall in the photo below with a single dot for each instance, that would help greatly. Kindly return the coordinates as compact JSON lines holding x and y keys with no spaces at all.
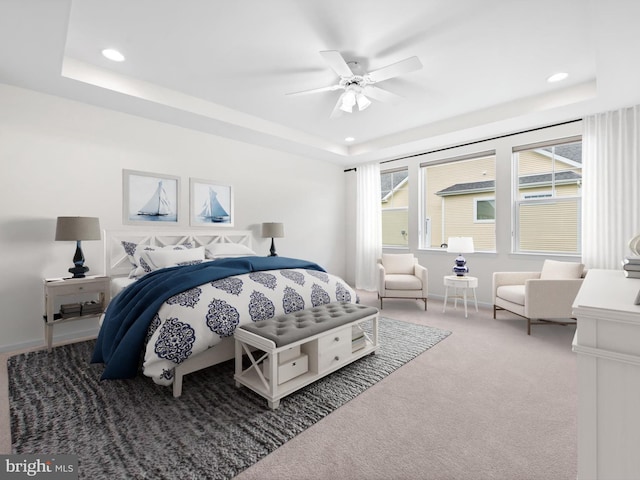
{"x":482,"y":265}
{"x":59,"y":157}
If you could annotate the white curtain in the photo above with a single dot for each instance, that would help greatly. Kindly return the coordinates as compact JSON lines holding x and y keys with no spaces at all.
{"x":368,"y":225}
{"x":611,"y":186}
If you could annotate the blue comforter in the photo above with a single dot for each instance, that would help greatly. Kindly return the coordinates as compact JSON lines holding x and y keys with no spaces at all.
{"x":129,"y":314}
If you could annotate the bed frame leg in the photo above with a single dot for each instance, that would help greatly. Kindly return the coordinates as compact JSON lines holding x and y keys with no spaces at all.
{"x":177,"y":385}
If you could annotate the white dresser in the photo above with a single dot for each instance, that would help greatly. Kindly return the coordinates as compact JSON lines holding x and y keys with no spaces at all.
{"x":607,"y":343}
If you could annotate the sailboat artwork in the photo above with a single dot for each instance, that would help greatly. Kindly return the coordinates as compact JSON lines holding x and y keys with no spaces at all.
{"x":211,"y":204}
{"x":158,"y":205}
{"x":212,"y":210}
{"x":150,"y":197}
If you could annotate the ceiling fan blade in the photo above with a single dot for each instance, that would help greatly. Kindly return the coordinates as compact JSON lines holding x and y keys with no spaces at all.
{"x":316,"y":90}
{"x":381,"y":95}
{"x":336,"y":110}
{"x":337,"y":63}
{"x":403,"y":66}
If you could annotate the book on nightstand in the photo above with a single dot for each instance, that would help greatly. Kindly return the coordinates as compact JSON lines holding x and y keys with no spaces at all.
{"x":70,"y":310}
{"x":92,"y":307}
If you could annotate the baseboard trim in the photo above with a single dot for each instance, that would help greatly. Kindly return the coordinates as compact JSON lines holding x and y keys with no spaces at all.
{"x":57,"y":340}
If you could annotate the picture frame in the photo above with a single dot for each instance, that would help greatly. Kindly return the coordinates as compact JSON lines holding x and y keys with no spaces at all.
{"x":150,"y":197}
{"x":211,"y":203}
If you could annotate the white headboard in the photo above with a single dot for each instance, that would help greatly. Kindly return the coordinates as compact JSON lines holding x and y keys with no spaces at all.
{"x":116,"y":261}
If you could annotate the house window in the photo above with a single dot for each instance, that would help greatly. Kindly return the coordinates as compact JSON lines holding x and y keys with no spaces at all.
{"x":458,"y":200}
{"x":484,"y":210}
{"x":547,"y":191}
{"x":394,"y":186}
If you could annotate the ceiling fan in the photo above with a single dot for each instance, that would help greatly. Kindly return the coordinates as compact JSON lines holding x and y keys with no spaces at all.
{"x":359,"y":86}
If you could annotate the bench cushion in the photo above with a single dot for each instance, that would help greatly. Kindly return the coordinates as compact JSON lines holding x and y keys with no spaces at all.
{"x":289,"y":328}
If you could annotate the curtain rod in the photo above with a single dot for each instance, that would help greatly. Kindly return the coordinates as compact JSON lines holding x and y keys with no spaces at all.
{"x":484,"y":140}
{"x":475,"y":142}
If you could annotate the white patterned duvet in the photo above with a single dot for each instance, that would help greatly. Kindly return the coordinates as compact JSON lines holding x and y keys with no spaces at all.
{"x":199,"y":318}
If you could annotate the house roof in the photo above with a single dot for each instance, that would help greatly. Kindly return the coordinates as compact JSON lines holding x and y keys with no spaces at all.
{"x":565,"y":177}
{"x":570,"y":151}
{"x":526,"y":181}
{"x":390,"y":183}
{"x":461,"y":188}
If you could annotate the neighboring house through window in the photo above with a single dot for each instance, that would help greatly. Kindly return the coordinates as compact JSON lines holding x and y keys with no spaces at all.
{"x":394,"y":186}
{"x":547,"y":197}
{"x":458,"y":200}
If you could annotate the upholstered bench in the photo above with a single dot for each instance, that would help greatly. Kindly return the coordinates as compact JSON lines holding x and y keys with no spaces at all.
{"x":290,"y":351}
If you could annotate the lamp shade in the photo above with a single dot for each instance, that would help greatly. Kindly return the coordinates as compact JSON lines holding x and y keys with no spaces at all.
{"x":78,"y":228}
{"x":272,"y":230}
{"x":460,"y":245}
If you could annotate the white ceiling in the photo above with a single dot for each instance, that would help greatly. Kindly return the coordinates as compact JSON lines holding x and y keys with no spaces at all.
{"x":225,"y":66}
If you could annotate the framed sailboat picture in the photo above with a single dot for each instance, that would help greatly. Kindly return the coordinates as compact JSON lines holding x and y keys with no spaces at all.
{"x":211,"y":204}
{"x":149,"y":197}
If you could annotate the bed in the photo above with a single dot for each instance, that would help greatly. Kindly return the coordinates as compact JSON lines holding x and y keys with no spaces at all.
{"x":177,"y":297}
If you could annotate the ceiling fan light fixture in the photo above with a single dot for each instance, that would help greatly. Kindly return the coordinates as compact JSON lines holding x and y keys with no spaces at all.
{"x":348,"y":101}
{"x":363,"y":102}
{"x":355,"y":82}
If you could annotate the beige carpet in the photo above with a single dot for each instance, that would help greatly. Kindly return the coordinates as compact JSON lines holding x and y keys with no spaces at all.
{"x":490,"y":402}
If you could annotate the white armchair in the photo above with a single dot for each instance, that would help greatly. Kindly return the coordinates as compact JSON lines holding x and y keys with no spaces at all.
{"x":544,"y":297}
{"x":401,"y":276}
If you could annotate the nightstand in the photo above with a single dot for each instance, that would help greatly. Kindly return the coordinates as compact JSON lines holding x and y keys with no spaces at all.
{"x":94,"y":292}
{"x":465,"y":283}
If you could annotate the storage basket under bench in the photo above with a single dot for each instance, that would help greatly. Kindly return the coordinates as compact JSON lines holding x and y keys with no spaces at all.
{"x":291,"y":351}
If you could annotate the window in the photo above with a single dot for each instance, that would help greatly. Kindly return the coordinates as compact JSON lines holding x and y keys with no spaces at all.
{"x":547,"y":192}
{"x":458,"y":200}
{"x":394,"y":186}
{"x":485,"y":210}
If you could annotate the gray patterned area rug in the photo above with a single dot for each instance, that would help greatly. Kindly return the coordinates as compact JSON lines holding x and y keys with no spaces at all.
{"x":136,"y":429}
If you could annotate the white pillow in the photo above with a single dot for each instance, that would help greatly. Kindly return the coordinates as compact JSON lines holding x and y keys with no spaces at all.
{"x":139,"y":265}
{"x":554,"y":270}
{"x":403,"y":263}
{"x":169,"y":258}
{"x":227,"y":250}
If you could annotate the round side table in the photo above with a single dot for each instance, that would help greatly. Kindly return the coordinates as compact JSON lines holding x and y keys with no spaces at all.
{"x":465,"y":283}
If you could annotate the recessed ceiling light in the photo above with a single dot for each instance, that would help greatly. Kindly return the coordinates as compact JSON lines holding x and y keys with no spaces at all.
{"x":112,"y":54}
{"x":349,"y":139}
{"x":556,"y":77}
